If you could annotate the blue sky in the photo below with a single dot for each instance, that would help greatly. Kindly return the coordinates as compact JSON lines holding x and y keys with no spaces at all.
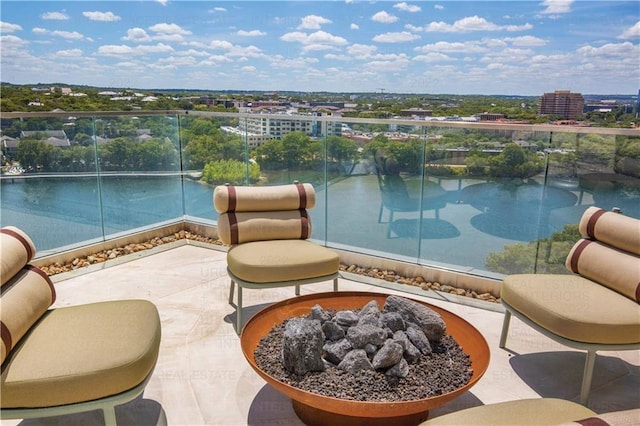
{"x":455,"y":47}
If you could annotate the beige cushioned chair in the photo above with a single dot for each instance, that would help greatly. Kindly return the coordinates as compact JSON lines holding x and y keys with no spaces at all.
{"x":267,"y":229}
{"x":70,"y":359}
{"x":596,"y":309}
{"x":534,"y":412}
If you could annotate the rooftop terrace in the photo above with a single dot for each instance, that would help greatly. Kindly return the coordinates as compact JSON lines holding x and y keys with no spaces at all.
{"x":202,"y":377}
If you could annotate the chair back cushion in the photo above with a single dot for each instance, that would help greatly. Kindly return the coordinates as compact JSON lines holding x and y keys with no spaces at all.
{"x":16,"y":250}
{"x":294,"y":196}
{"x":25,"y":298}
{"x":613,"y":229}
{"x":243,"y":227}
{"x":609,"y":253}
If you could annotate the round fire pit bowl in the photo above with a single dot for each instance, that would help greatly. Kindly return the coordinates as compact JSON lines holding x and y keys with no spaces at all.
{"x":314,"y":409}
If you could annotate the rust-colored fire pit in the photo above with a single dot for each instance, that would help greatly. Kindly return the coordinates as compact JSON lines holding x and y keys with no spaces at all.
{"x":315,"y":409}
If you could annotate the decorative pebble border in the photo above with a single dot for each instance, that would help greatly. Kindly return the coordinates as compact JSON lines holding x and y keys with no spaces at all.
{"x":386,"y":275}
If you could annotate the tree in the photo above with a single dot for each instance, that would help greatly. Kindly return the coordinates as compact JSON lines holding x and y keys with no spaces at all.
{"x":230,"y":171}
{"x":516,"y":162}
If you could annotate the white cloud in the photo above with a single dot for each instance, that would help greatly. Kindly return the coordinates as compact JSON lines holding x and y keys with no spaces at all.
{"x":220,"y":44}
{"x":6,"y":27}
{"x":470,"y":24}
{"x":407,"y":7}
{"x":554,"y":7}
{"x":252,"y":33}
{"x":137,"y":35}
{"x":611,"y":50}
{"x":454,"y":47}
{"x":101,"y":16}
{"x":11,"y":42}
{"x":219,"y":9}
{"x":318,"y":37}
{"x":313,"y":22}
{"x":69,"y":35}
{"x":354,"y":27}
{"x":124,"y":50}
{"x":527,"y":41}
{"x":71,"y":53}
{"x":55,"y":16}
{"x":165,"y":28}
{"x":438,"y":7}
{"x":631,"y":32}
{"x":433,"y":57}
{"x":249,"y":69}
{"x":384,"y":18}
{"x":362,"y":50}
{"x":163,"y":2}
{"x":396,"y":37}
{"x":38,"y":30}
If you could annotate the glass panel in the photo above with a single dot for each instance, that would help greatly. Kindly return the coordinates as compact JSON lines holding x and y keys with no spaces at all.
{"x":50,"y":188}
{"x":140,"y":179}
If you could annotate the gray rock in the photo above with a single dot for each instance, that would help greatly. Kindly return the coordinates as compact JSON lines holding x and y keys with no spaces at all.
{"x":389,"y":355}
{"x":360,"y":335}
{"x":335,"y":352}
{"x":370,"y":349}
{"x":371,"y":307}
{"x":401,"y":369}
{"x":371,"y":319}
{"x":410,"y":352}
{"x":431,"y":323}
{"x":392,"y":320}
{"x":419,"y":339}
{"x":332,"y":331}
{"x":317,"y":312}
{"x":302,"y":346}
{"x":355,"y":361}
{"x":346,"y":318}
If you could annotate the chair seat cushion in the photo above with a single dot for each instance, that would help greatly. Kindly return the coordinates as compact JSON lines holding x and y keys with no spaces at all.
{"x":574,"y":307}
{"x":81,"y":353}
{"x":539,"y":411}
{"x":281,"y":260}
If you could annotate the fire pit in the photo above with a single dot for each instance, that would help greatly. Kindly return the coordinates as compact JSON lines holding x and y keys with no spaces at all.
{"x":315,"y":409}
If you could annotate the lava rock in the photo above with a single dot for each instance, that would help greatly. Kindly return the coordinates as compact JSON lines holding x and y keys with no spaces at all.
{"x":317,"y":312}
{"x":411,"y":353}
{"x":431,"y":323}
{"x":370,"y":319}
{"x":360,"y":335}
{"x":335,"y":352}
{"x":333,"y":331}
{"x":419,"y":339}
{"x":355,"y":361}
{"x":393,"y":321}
{"x":302,"y":346}
{"x":371,"y":307}
{"x":346,"y":318}
{"x":401,"y":369}
{"x":388,"y":355}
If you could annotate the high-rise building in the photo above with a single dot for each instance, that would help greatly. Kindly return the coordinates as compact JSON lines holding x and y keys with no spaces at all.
{"x":563,"y":103}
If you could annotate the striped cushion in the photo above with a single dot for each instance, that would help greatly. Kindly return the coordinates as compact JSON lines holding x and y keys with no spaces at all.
{"x":611,"y":228}
{"x":263,"y":198}
{"x":615,"y":269}
{"x":242,"y":227}
{"x":16,"y":250}
{"x":25,"y":298}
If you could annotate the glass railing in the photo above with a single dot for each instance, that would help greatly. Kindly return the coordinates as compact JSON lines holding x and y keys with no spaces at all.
{"x":488,"y":199}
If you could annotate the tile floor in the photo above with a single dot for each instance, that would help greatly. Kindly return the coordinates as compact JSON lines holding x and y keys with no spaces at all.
{"x":202,"y":377}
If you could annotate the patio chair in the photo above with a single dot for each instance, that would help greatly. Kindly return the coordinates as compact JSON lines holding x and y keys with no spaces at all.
{"x":267,"y":230}
{"x":395,"y":197}
{"x":596,"y":309}
{"x":70,"y":359}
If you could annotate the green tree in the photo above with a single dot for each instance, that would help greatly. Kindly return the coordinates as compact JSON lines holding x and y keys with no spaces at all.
{"x":515,"y":161}
{"x":230,"y":171}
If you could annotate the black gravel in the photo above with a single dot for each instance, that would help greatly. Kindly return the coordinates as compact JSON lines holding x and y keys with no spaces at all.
{"x":446,"y":369}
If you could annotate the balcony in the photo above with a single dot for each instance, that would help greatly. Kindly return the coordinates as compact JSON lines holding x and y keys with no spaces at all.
{"x":455,"y":233}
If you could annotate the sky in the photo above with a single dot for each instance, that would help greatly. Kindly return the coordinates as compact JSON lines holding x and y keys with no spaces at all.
{"x":426,"y":47}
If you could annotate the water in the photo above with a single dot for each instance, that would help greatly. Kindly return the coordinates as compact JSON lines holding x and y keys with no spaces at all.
{"x":471,"y":218}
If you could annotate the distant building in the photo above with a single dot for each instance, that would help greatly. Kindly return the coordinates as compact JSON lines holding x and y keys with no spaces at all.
{"x":416,"y":112}
{"x":490,"y":116}
{"x":562,"y":103}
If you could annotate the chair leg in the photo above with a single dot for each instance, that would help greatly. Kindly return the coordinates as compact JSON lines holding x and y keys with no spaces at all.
{"x":231,"y":286}
{"x":389,"y":224}
{"x":297,"y":290}
{"x":587,"y":376}
{"x":505,"y":329}
{"x":239,"y":311}
{"x":335,"y":284}
{"x":109,"y":415}
{"x":380,"y":213}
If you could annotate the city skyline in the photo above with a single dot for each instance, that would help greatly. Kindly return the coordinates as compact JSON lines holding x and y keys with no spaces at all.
{"x":485,"y":48}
